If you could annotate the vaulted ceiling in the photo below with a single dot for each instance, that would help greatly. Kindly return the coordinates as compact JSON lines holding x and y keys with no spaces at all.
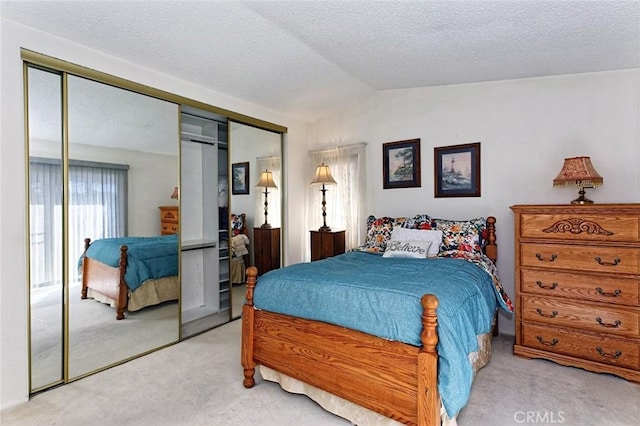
{"x":309,"y":58}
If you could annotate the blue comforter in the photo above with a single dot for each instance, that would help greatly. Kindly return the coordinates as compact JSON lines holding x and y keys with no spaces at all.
{"x":147,"y":257}
{"x":381,"y":296}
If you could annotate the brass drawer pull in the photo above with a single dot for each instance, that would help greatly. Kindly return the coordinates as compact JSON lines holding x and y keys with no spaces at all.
{"x":542,"y":314}
{"x":608,"y":325}
{"x":547,"y":287}
{"x":616,"y":354}
{"x":601,"y":292}
{"x":547,"y":343}
{"x":614,"y":263}
{"x":553,"y":257}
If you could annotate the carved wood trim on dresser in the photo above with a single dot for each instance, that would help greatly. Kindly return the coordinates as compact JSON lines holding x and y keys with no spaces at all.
{"x":577,"y":280}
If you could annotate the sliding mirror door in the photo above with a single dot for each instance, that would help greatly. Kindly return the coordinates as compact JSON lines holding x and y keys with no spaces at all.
{"x":46,"y":265}
{"x":123,"y":165}
{"x":102,"y":160}
{"x":255,"y":156}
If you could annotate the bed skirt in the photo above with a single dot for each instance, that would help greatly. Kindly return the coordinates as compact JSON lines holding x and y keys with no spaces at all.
{"x":356,"y":414}
{"x":151,"y":292}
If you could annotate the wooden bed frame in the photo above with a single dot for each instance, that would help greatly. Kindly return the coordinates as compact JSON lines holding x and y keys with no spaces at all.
{"x":105,"y":279}
{"x":394,"y":379}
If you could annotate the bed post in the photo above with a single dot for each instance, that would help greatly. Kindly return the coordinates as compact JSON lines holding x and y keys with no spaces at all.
{"x":87,"y":243}
{"x":123,"y":291}
{"x":246,"y":357}
{"x":428,"y":397}
{"x":491,"y":251}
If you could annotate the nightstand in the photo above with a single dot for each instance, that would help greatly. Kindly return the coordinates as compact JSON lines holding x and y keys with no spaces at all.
{"x":326,"y":244}
{"x":266,"y":246}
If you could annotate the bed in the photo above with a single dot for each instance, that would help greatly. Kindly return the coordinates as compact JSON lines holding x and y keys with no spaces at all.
{"x":131,"y":273}
{"x":342,"y":363}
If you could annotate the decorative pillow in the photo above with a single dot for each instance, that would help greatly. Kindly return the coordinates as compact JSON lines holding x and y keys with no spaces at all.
{"x":407,"y":249}
{"x":464,"y":235}
{"x":420,"y":221}
{"x":434,"y":237}
{"x":237,"y":223}
{"x":378,"y":233}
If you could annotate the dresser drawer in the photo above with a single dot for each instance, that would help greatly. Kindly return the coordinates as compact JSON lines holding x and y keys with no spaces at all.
{"x":616,"y":260}
{"x":576,"y":314}
{"x":599,"y":288}
{"x":169,"y":215}
{"x":169,"y":228}
{"x":580,"y":227}
{"x":583,"y":345}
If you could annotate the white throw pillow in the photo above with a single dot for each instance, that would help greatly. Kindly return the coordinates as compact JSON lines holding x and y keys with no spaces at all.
{"x":412,"y":249}
{"x":431,"y":235}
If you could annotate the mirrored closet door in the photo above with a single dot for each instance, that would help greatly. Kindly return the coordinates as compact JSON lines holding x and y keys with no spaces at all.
{"x":102,"y":160}
{"x":120,"y":173}
{"x":258,"y":153}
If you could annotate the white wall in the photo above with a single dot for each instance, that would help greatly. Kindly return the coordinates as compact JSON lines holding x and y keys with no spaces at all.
{"x":13,"y":279}
{"x":526,"y":128}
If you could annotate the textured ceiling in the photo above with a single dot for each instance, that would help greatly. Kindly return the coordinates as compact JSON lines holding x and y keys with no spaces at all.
{"x":309,"y":58}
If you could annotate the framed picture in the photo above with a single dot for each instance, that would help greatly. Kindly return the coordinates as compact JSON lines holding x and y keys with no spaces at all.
{"x":457,"y":170}
{"x":240,"y":178}
{"x":401,"y":164}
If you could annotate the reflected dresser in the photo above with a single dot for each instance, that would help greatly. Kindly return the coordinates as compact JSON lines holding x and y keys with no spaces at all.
{"x":169,"y":219}
{"x":577,"y":272}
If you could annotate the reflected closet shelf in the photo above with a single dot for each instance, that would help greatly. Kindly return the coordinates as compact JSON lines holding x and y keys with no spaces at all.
{"x":198,"y":244}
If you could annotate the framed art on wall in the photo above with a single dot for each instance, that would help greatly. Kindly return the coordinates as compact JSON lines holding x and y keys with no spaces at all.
{"x":240,"y":178}
{"x":457,"y":170}
{"x":401,"y":164}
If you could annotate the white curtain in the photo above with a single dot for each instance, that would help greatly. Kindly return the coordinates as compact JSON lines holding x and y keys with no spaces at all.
{"x":346,"y":200}
{"x":272,"y":164}
{"x":97,"y":209}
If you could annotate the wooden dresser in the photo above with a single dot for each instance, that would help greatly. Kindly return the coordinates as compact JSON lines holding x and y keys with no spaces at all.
{"x":577,"y":286}
{"x":169,"y":219}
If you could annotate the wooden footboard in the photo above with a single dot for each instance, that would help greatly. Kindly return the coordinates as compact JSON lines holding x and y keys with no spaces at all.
{"x":105,"y":279}
{"x":391,"y":378}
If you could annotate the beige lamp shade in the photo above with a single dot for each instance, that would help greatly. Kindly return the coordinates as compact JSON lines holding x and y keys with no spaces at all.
{"x":323,"y":176}
{"x":579,"y":171}
{"x":266,"y":180}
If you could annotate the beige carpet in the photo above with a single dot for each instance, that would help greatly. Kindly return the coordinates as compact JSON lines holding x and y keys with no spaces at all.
{"x":199,"y":382}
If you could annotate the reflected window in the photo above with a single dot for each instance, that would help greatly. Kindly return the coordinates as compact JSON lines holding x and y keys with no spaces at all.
{"x":97,"y":209}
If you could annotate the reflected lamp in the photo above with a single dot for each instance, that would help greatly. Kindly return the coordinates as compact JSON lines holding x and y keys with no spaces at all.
{"x":266,"y":181}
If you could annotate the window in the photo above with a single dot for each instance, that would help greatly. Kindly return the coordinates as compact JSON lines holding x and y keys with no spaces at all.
{"x":346,"y":201}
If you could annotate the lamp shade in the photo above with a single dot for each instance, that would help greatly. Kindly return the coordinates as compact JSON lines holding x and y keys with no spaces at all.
{"x":578,"y":171}
{"x":323,"y":176}
{"x":266,"y":180}
{"x":175,"y":194}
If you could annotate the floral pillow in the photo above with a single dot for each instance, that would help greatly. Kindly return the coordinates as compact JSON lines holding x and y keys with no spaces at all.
{"x":237,"y":223}
{"x":463,"y":235}
{"x":378,"y":233}
{"x":421,"y":221}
